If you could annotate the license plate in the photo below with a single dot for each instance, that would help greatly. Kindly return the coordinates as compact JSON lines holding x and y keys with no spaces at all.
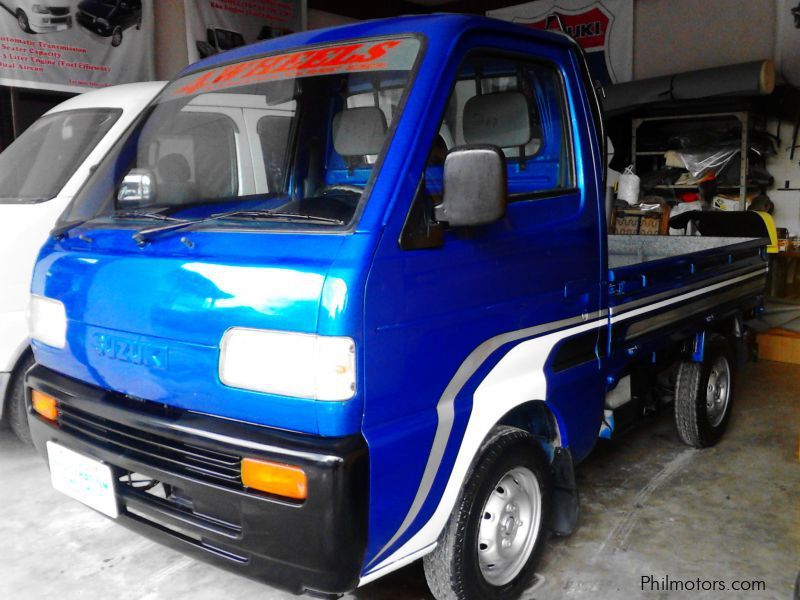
{"x":83,"y":478}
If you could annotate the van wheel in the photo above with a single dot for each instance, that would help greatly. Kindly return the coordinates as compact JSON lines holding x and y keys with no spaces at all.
{"x":490,"y":546}
{"x":17,"y":411}
{"x":704,"y":396}
{"x":116,"y":36}
{"x":24,"y":23}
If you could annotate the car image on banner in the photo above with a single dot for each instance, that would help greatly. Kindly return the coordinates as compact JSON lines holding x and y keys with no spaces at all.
{"x":40,"y":17}
{"x":72,"y":45}
{"x":110,"y":18}
{"x":213,"y":27}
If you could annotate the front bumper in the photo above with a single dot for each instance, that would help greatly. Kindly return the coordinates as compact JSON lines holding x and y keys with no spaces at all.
{"x":202,"y":509}
{"x":49,"y":24}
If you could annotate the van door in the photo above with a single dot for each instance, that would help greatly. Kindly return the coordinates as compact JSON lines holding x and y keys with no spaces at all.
{"x":440,"y":319}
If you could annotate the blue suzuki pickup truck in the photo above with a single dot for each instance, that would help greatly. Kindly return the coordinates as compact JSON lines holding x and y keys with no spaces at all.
{"x":345,"y":299}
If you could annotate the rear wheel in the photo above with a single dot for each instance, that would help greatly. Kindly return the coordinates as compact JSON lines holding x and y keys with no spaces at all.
{"x":17,"y":411}
{"x":116,"y":36}
{"x":489,"y":548}
{"x":704,"y":395}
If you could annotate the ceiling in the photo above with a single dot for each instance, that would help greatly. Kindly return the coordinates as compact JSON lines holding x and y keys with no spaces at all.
{"x":370,"y":9}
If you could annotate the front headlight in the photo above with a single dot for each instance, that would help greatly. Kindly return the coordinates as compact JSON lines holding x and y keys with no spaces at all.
{"x":47,"y":321}
{"x":40,"y":9}
{"x":289,"y":364}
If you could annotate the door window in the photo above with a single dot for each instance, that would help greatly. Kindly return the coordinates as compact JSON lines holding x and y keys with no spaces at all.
{"x":518,"y":106}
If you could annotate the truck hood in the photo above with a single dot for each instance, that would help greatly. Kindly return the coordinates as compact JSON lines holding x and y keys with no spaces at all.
{"x":148,"y":322}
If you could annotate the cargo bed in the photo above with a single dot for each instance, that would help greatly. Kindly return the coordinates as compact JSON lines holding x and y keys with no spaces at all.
{"x":659,"y":283}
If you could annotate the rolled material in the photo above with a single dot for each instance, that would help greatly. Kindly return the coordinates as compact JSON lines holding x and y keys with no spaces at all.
{"x":745,"y":79}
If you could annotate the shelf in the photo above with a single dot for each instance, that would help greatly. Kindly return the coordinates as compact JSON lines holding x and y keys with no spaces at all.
{"x":688,"y":187}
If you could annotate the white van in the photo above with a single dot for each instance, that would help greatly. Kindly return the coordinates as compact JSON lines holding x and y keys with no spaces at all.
{"x":44,"y":16}
{"x":39,"y":174}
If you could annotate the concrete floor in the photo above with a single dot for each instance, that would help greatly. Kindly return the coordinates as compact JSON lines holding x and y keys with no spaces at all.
{"x":650,"y":506}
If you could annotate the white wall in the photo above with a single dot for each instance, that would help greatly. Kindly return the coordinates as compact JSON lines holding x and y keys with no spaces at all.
{"x":674,"y":36}
{"x":787,"y":204}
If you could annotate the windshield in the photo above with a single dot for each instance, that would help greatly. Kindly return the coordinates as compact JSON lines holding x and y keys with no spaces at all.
{"x":40,"y":162}
{"x":297,"y":134}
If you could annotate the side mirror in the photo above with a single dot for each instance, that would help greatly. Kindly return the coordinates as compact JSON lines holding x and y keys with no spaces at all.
{"x":137,"y":187}
{"x":474,"y":187}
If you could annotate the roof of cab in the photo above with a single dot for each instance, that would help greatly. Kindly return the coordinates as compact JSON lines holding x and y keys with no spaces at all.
{"x":443,"y":26}
{"x":126,"y":96}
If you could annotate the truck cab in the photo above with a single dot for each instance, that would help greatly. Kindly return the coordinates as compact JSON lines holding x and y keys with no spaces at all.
{"x":343,"y":300}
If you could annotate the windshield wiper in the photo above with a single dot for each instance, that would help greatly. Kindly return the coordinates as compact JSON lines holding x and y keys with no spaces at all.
{"x":140,"y":237}
{"x":132,"y":214}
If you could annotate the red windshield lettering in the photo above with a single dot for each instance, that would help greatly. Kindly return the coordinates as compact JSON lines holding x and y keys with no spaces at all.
{"x":318,"y":58}
{"x":344,"y":55}
{"x":262,"y":67}
{"x":375,"y":52}
{"x":197,"y":85}
{"x":291,"y":61}
{"x":230,"y":72}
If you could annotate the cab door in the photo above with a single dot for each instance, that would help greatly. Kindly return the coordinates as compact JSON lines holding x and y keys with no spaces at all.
{"x":434,"y":305}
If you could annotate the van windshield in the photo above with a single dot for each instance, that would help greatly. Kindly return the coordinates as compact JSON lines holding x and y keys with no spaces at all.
{"x":295,"y":134}
{"x":39,"y":163}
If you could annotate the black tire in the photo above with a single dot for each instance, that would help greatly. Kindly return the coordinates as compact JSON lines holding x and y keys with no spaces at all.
{"x":24,"y":23}
{"x":17,"y":411}
{"x":116,"y":36}
{"x":699,"y":423}
{"x":453,"y":570}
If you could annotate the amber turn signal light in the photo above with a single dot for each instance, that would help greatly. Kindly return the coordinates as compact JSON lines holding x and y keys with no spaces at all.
{"x":275,"y":478}
{"x":44,"y":405}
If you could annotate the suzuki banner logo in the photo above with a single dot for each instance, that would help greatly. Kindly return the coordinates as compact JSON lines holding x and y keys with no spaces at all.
{"x":603,"y":28}
{"x":589,"y":29}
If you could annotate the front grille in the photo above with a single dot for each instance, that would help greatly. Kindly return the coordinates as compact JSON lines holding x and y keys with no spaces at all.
{"x":59,"y":11}
{"x":152,"y":449}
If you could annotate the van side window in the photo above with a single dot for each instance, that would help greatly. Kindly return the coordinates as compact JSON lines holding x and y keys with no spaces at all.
{"x":518,"y":106}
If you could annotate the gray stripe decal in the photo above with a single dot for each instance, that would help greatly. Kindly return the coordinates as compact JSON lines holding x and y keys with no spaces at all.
{"x":621,"y":308}
{"x":445,"y":410}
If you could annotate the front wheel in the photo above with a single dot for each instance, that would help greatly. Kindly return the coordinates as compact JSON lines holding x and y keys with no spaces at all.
{"x":116,"y":37}
{"x":490,"y":546}
{"x":23,"y":22}
{"x":704,"y":395}
{"x":17,"y":410}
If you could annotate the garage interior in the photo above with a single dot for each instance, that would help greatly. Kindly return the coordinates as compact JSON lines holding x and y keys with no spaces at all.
{"x":726,"y":139}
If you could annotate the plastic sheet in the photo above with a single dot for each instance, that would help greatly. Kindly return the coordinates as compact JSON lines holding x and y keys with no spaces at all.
{"x":700,"y":162}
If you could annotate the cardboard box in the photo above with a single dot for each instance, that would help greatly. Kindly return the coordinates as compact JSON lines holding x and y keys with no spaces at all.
{"x":779,"y":345}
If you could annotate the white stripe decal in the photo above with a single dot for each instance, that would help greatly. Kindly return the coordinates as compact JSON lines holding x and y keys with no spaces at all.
{"x":516,"y":379}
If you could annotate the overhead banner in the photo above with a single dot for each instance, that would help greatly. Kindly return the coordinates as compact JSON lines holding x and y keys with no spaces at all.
{"x":214,"y":26}
{"x":603,"y":28}
{"x":788,"y":42}
{"x":75,"y":45}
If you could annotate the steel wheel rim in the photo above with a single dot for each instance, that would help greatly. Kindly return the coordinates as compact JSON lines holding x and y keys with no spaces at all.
{"x":510,"y":522}
{"x":116,"y":37}
{"x":718,"y":391}
{"x":22,"y":20}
